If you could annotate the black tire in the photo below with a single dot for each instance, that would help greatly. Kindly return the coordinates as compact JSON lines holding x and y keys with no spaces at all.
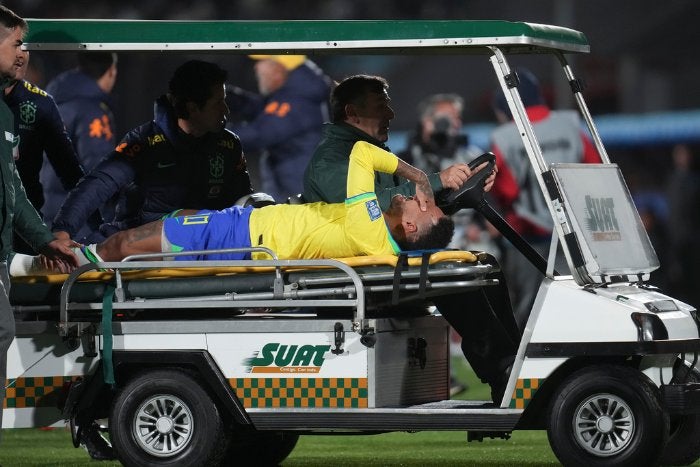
{"x":259,"y":448}
{"x":683,"y":447}
{"x":166,"y":418}
{"x":607,"y":416}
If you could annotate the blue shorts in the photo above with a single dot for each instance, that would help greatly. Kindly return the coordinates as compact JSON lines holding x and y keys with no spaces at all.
{"x":210,"y":230}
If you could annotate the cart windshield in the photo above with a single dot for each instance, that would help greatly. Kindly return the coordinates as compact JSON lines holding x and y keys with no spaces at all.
{"x":612,"y":239}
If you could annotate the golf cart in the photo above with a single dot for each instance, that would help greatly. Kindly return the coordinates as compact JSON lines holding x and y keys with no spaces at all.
{"x":206,"y":362}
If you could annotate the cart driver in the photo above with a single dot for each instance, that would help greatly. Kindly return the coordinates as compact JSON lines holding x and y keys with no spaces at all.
{"x":316,"y":230}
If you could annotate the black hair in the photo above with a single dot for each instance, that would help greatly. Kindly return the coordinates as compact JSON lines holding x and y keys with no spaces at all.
{"x":96,"y":64}
{"x":354,"y":90}
{"x":193,"y":81}
{"x":10,"y":19}
{"x":437,"y":236}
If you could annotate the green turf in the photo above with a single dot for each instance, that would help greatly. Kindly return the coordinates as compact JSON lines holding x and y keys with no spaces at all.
{"x":422,"y":449}
{"x":33,"y":447}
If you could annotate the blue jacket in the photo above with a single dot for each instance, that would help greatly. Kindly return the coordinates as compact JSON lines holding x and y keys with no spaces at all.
{"x":159,"y":169}
{"x":40,"y":129}
{"x":16,"y":212}
{"x":87,"y":113}
{"x":286,"y":125}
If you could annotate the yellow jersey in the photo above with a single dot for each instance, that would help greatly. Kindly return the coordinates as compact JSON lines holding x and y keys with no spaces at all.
{"x":321,"y":230}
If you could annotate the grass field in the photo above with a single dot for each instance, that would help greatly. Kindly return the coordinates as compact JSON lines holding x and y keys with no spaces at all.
{"x":53,"y":448}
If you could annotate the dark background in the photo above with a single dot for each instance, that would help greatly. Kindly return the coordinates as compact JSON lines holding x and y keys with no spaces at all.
{"x":643,"y":53}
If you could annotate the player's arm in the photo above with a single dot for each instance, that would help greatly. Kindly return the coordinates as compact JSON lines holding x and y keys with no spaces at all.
{"x":366,"y":158}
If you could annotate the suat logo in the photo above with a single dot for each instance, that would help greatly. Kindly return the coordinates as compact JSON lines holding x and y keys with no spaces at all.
{"x":283,"y":358}
{"x":601,"y":220}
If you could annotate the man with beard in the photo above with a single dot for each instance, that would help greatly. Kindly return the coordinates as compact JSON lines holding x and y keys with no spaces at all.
{"x":39,"y":129}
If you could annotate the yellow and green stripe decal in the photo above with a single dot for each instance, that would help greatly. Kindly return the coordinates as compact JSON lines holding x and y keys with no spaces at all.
{"x":301,"y":392}
{"x":525,"y":389}
{"x":360,"y":198}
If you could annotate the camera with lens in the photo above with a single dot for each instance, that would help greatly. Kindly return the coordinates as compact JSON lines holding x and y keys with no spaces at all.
{"x":442,"y":139}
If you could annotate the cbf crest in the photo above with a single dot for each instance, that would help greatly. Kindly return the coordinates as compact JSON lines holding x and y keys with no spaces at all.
{"x":216,"y":166}
{"x":27,"y":112}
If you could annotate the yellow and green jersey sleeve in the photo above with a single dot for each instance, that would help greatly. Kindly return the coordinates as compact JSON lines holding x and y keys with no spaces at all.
{"x":365,"y":159}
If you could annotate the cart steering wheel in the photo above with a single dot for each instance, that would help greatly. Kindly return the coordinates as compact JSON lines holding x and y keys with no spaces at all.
{"x":471,"y":194}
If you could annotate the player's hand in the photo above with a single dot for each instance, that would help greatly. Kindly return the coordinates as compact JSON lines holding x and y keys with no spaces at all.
{"x":424,"y":193}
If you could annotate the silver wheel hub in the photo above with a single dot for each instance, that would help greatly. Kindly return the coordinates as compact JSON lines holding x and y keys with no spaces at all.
{"x":163,"y":425}
{"x":603,"y":425}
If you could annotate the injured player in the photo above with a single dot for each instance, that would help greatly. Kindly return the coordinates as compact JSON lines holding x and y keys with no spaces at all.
{"x":356,"y":227}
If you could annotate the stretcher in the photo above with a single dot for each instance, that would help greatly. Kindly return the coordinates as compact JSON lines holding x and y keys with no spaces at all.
{"x":363,"y":286}
{"x":120,"y":299}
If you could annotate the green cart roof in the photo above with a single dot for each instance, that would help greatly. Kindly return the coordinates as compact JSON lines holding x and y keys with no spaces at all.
{"x":301,"y":36}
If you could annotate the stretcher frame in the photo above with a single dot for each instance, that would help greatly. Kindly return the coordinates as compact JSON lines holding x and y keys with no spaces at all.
{"x":326,"y":283}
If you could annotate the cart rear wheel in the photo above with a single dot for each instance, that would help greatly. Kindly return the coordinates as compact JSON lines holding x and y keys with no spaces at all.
{"x":683,"y":446}
{"x":608,"y":415}
{"x":259,"y":448}
{"x":166,"y":418}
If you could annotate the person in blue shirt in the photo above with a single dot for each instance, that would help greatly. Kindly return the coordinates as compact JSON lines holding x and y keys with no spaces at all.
{"x":39,"y":129}
{"x":283,"y":123}
{"x":183,"y":159}
{"x":83,"y":96}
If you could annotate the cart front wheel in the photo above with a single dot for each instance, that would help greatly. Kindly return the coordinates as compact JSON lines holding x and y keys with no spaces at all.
{"x":605,"y":416}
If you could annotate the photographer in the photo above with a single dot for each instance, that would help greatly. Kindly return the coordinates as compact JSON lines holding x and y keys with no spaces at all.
{"x":438,"y":143}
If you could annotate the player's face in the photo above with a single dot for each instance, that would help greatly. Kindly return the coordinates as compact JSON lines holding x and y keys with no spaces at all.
{"x":211,"y":117}
{"x":11,"y":53}
{"x":411,"y":212}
